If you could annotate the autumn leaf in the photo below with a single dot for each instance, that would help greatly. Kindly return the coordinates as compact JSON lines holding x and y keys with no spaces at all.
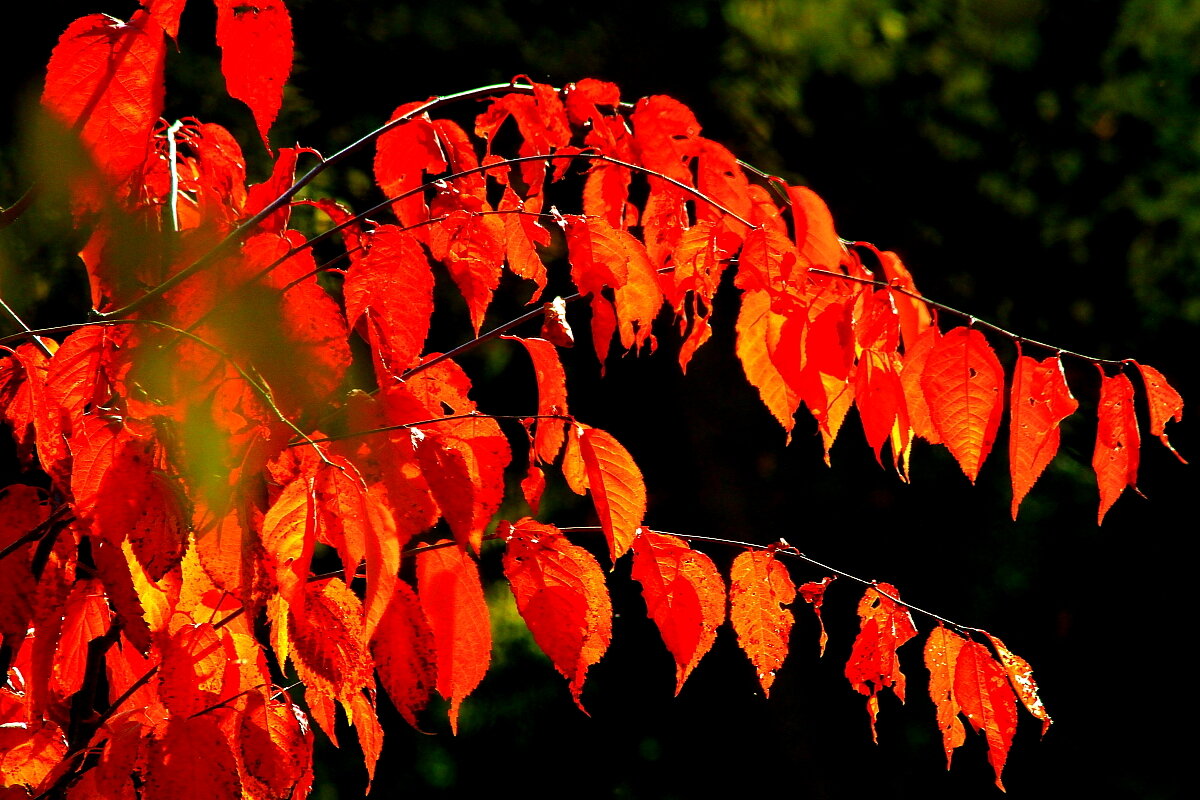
{"x":813,"y":593}
{"x":963,"y":384}
{"x":941,"y":657}
{"x":874,"y":664}
{"x":1115,"y":458}
{"x":452,"y":596}
{"x":684,"y":594}
{"x":759,"y":588}
{"x":256,"y":55}
{"x":404,"y":653}
{"x":1020,"y":675}
{"x":560,"y":593}
{"x":982,"y":691}
{"x":552,"y":397}
{"x":105,"y":80}
{"x":1165,"y":403}
{"x":618,"y":491}
{"x":1041,"y":400}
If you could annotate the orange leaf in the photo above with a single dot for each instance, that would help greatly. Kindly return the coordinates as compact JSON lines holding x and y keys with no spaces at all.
{"x":684,"y":594}
{"x":274,"y":748}
{"x":941,"y":655}
{"x":450,"y":592}
{"x":561,"y":595}
{"x":813,"y":593}
{"x":913,"y":365}
{"x":1165,"y":403}
{"x":1115,"y":459}
{"x":256,"y":55}
{"x":1040,"y":401}
{"x":982,"y":692}
{"x":874,"y":665}
{"x":758,"y":329}
{"x":1020,"y":675}
{"x":189,"y":759}
{"x":963,"y":384}
{"x":618,"y":491}
{"x":815,"y":236}
{"x":328,"y":645}
{"x":759,"y":588}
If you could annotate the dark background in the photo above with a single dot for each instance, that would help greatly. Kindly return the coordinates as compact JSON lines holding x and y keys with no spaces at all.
{"x":1034,"y":164}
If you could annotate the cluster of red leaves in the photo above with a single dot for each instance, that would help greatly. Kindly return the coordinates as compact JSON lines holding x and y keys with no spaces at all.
{"x":186,"y":484}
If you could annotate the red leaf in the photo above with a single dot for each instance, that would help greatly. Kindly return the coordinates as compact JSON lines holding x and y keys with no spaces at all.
{"x":1040,"y":401}
{"x":289,"y":534}
{"x":274,"y":748}
{"x":329,"y":647}
{"x":561,"y":595}
{"x":1020,"y":675}
{"x":1115,"y":459}
{"x":982,"y":692}
{"x":618,"y":491}
{"x":402,"y":157}
{"x":759,"y":588}
{"x":189,"y":759}
{"x":963,"y":384}
{"x":815,"y":236}
{"x":392,"y":286}
{"x":552,"y":397}
{"x":471,"y":245}
{"x":450,"y":592}
{"x":22,"y":508}
{"x":684,"y":594}
{"x":166,"y":14}
{"x":256,"y":55}
{"x":1165,"y":403}
{"x":941,"y":655}
{"x":874,"y":665}
{"x":813,"y":593}
{"x":105,"y":80}
{"x":404,"y":653}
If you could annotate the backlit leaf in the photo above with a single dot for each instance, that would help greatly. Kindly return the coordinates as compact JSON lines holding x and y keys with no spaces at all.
{"x":1020,"y":675}
{"x":982,"y":691}
{"x":560,"y":592}
{"x":1040,"y":401}
{"x":452,"y":596}
{"x":256,"y":55}
{"x":618,"y":491}
{"x":1115,"y":458}
{"x":874,"y":664}
{"x":1165,"y":403}
{"x":963,"y":384}
{"x":684,"y":594}
{"x":759,"y":588}
{"x":941,"y":655}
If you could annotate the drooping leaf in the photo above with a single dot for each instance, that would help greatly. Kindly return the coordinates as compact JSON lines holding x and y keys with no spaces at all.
{"x":963,"y":384}
{"x":874,"y":664}
{"x":274,"y":747}
{"x":560,"y":593}
{"x":759,"y":588}
{"x":758,"y":330}
{"x":404,"y":653}
{"x":552,"y":397}
{"x":256,"y":55}
{"x":402,"y":157}
{"x":450,"y":592}
{"x":105,"y":80}
{"x":684,"y":594}
{"x":1165,"y":403}
{"x":618,"y":491}
{"x":1020,"y":675}
{"x":189,"y":759}
{"x":941,"y":655}
{"x":1040,"y":401}
{"x":813,"y":593}
{"x":982,"y":691}
{"x":1115,"y":458}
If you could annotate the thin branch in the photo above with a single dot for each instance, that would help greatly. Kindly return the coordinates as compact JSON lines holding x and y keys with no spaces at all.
{"x":451,"y":418}
{"x":789,"y":550}
{"x":974,"y":320}
{"x":38,"y":343}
